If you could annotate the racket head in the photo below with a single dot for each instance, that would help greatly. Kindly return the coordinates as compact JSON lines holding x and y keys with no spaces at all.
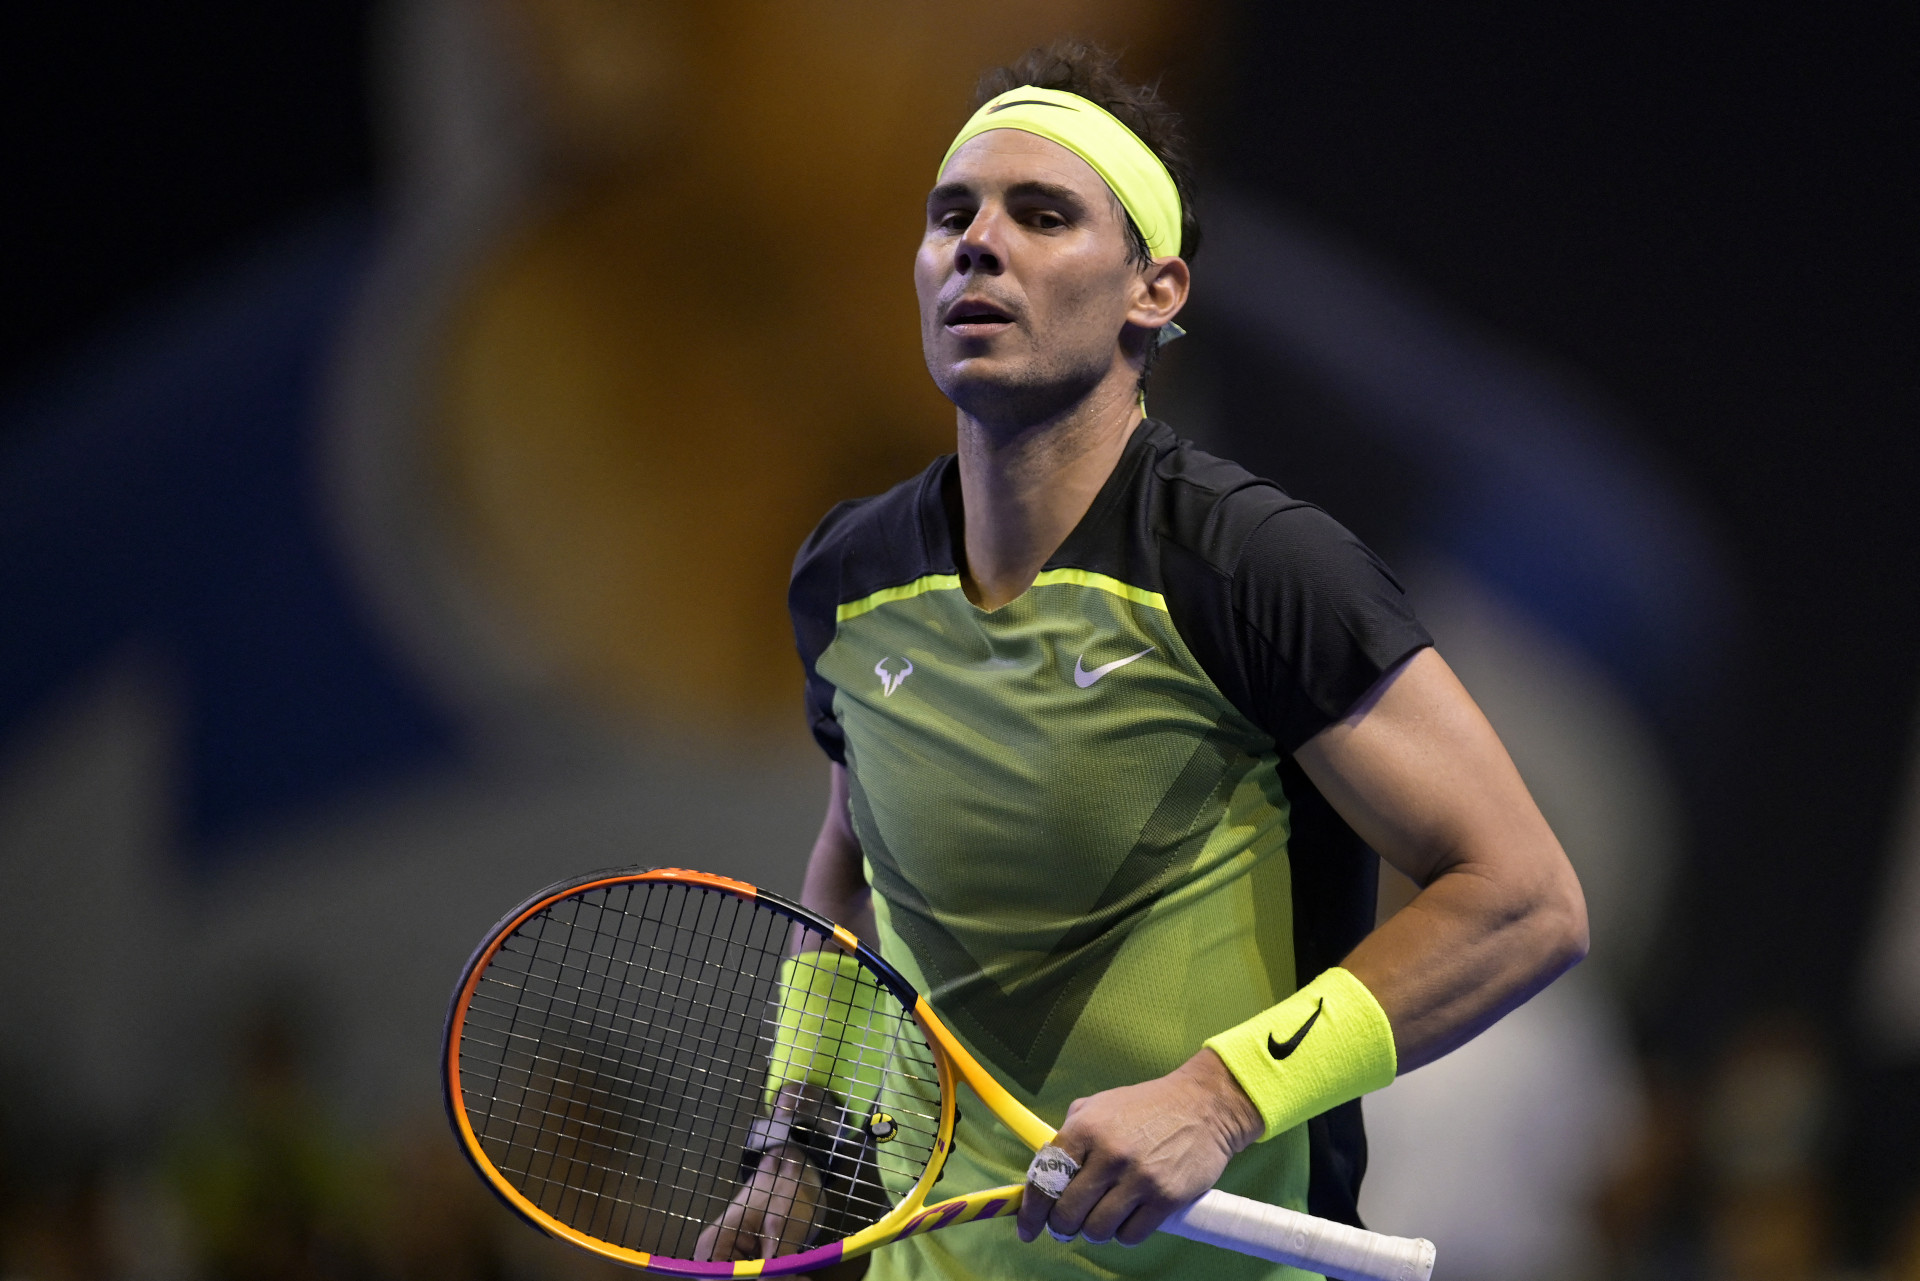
{"x":606,"y":1054}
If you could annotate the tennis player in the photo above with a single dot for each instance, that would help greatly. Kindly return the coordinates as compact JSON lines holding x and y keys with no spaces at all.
{"x":1115,"y":728}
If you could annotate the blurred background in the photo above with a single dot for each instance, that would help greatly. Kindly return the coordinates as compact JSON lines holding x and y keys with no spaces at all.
{"x":409,"y":410}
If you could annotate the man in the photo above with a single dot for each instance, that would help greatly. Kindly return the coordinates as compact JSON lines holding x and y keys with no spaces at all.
{"x":1113,"y":726}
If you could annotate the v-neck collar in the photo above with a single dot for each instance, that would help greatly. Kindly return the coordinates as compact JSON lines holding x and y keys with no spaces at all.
{"x":944,"y":525}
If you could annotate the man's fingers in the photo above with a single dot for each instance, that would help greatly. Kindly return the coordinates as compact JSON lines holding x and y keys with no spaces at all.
{"x":1048,"y":1175}
{"x":1147,"y":1149}
{"x":1142,"y":1223}
{"x":724,"y":1239}
{"x":1098,"y":1202}
{"x":1035,"y":1206}
{"x":1103,"y":1220}
{"x":723,"y":1243}
{"x":1129,"y":1210}
{"x":790,"y":1231}
{"x":1068,"y":1217}
{"x":772,"y":1213}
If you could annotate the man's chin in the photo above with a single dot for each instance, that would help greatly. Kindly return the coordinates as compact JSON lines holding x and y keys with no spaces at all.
{"x":994,"y":393}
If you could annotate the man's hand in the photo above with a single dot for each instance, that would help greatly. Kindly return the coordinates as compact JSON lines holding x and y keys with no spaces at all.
{"x":1144,"y":1151}
{"x":774,"y":1212}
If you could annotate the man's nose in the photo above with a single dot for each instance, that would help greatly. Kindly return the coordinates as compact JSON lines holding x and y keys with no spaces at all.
{"x":979,"y":250}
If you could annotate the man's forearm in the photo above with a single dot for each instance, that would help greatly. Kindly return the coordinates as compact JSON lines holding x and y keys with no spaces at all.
{"x":836,"y":882}
{"x":1465,"y":952}
{"x":1418,"y":772}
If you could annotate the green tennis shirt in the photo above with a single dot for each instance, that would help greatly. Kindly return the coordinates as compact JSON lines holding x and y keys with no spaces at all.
{"x":1086,"y":837}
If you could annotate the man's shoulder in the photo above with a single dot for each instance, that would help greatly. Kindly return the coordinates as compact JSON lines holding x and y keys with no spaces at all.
{"x":1212,"y":507}
{"x":1290,"y":614}
{"x":865,"y":545}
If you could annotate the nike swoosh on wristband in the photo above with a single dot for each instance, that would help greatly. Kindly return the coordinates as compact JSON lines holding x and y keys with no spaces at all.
{"x":1281,"y":1049}
{"x":1084,"y":678}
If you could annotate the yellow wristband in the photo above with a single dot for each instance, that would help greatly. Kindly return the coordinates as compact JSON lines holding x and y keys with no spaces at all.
{"x":825,"y":1033}
{"x":1327,"y":1043}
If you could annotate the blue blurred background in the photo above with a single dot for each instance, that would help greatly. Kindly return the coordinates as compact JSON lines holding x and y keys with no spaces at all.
{"x":408,"y":412}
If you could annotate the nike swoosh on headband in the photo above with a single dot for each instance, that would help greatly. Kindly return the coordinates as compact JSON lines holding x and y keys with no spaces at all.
{"x":1131,"y":170}
{"x":1281,"y":1049}
{"x":1084,"y":678}
{"x":1030,"y":102}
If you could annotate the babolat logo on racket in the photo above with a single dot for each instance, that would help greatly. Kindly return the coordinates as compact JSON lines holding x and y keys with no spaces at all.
{"x":1281,"y":1049}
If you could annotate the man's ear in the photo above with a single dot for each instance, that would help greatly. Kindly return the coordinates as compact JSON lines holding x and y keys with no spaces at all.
{"x":1161,"y":293}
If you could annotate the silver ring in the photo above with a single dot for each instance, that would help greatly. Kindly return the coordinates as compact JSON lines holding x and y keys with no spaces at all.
{"x":1051,"y":1170}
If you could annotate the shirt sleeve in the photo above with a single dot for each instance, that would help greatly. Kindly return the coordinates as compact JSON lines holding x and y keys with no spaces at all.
{"x":1295,"y":620}
{"x":813,"y":597}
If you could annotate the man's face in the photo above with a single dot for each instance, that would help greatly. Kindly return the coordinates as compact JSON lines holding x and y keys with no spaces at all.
{"x":1023,"y":278}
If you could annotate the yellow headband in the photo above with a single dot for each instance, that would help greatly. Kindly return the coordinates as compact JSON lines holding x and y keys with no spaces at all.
{"x":1089,"y":131}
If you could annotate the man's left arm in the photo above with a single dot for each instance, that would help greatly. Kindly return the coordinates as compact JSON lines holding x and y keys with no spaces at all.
{"x":1423,"y":779}
{"x":1418,"y":773}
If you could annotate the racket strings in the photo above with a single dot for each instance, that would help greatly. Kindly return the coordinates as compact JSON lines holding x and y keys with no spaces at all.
{"x":583,"y":1125}
{"x":582,"y":1135}
{"x":615,"y":1057}
{"x":888,"y":1079}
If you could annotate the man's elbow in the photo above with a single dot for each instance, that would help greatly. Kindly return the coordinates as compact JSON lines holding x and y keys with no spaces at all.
{"x":1563,"y":922}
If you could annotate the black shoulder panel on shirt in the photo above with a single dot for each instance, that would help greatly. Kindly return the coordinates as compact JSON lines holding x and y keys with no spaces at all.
{"x":861,"y":547}
{"x":1291,"y":615}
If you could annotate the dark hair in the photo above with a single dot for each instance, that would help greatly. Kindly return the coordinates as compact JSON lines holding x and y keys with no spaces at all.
{"x":1074,"y":66}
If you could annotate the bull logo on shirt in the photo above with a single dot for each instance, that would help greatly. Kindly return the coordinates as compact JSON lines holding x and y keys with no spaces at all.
{"x":890,"y":681}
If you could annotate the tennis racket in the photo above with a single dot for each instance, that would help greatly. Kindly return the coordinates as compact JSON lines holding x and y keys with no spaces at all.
{"x":613,"y":1072}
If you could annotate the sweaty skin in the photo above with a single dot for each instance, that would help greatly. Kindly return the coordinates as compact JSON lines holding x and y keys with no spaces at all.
{"x":1035,"y":325}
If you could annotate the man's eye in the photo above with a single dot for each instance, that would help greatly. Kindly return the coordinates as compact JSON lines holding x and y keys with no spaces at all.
{"x":1049,"y":221}
{"x":957,"y":220}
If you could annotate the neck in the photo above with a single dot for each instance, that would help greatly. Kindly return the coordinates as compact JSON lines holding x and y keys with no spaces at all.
{"x":1024,"y":488}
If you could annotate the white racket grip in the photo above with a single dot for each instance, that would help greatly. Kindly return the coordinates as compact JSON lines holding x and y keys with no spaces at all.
{"x":1302,"y":1241}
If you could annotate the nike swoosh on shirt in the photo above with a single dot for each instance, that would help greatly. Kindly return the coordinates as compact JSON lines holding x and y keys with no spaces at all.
{"x":1084,"y":678}
{"x":1281,"y":1049}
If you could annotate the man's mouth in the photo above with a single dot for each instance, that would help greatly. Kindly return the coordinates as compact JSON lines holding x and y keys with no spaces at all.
{"x":972,"y":317}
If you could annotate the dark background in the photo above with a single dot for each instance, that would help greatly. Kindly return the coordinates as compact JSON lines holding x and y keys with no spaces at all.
{"x":143,"y":142}
{"x":1707,"y":214}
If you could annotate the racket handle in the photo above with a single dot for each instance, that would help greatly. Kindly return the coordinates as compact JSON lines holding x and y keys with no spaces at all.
{"x":1301,"y":1241}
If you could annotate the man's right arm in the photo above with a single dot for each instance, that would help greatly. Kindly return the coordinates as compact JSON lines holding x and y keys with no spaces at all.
{"x":836,"y":883}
